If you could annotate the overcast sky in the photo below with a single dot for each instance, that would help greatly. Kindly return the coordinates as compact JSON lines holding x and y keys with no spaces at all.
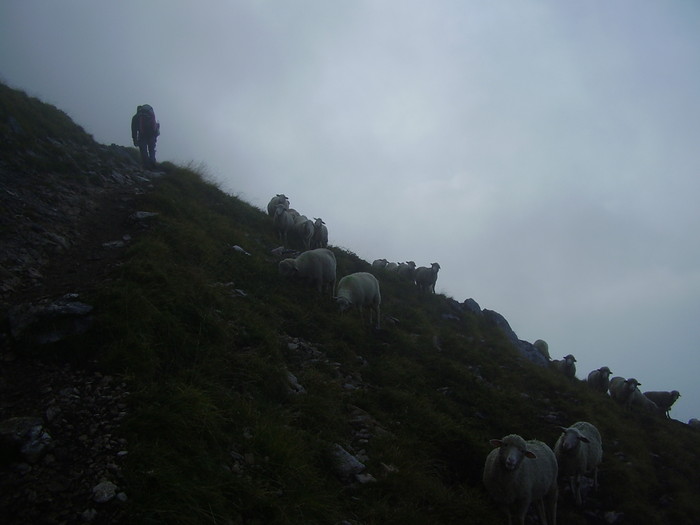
{"x":545,"y":153}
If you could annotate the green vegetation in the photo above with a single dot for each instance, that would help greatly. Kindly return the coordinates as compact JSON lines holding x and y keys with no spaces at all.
{"x":27,"y":116}
{"x":208,"y":368}
{"x":217,"y":435}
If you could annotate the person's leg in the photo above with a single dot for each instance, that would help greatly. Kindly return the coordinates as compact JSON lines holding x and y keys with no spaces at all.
{"x":143,"y":148}
{"x":152,"y":152}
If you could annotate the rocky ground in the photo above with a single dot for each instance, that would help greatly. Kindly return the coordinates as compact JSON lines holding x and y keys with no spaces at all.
{"x":61,"y":233}
{"x":61,"y":449}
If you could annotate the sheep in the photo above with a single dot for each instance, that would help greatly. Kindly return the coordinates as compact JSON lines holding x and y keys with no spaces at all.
{"x":640,"y":402}
{"x":303,"y":231}
{"x":280,"y":198}
{"x":283,"y":222}
{"x":407,"y":271}
{"x":320,"y":238}
{"x":427,"y":277}
{"x":379,"y":264}
{"x":542,"y":348}
{"x":359,"y":289}
{"x":579,"y":451}
{"x":600,"y":379}
{"x":391,"y":267}
{"x":621,"y":390}
{"x":664,"y":400}
{"x":315,"y":267}
{"x":566,"y":366}
{"x":518,"y":473}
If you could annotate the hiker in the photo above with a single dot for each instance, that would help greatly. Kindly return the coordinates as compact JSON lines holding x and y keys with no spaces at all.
{"x":144,"y":131}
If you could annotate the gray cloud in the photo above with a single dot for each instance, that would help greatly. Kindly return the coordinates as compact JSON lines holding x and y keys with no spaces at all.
{"x":542,"y":152}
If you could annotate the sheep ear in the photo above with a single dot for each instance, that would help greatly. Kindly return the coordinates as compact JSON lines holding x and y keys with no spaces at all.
{"x":564,"y":429}
{"x":584,"y":439}
{"x":496,"y":442}
{"x":530,"y":455}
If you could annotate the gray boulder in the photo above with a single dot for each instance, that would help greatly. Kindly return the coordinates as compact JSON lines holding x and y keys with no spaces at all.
{"x":526,"y":349}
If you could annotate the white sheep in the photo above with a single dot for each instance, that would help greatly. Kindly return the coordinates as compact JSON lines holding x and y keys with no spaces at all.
{"x":280,"y":198}
{"x":518,"y":473}
{"x":600,"y":379}
{"x":694,"y":423}
{"x":664,"y":400}
{"x":427,"y":277}
{"x":283,"y":222}
{"x":566,"y":366}
{"x":406,"y":271}
{"x":303,"y":231}
{"x":542,"y":348}
{"x":379,"y":264}
{"x":320,"y":238}
{"x":579,"y":451}
{"x":315,"y":267}
{"x":359,"y":289}
{"x":391,"y":267}
{"x":621,"y":390}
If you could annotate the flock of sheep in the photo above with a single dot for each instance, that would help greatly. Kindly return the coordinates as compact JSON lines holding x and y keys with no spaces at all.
{"x":518,"y":473}
{"x":316,"y":265}
{"x":423,"y":277}
{"x":625,"y":391}
{"x":291,"y":226}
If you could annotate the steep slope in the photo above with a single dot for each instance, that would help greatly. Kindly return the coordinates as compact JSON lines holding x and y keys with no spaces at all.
{"x":65,"y":204}
{"x":206,"y":389}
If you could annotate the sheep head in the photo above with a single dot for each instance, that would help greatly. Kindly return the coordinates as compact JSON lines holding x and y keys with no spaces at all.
{"x":633,"y":383}
{"x":288,"y":267}
{"x":343,"y":303}
{"x":512,"y":451}
{"x":571,"y":438}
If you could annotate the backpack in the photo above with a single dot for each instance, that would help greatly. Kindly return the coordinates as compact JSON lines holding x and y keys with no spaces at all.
{"x":148,"y":126}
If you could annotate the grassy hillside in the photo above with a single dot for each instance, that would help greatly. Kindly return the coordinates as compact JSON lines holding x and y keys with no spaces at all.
{"x":203,"y":334}
{"x":220,"y":432}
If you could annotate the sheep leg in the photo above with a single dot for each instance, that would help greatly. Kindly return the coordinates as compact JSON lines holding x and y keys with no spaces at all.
{"x":521,"y":506}
{"x":595,"y":478}
{"x":552,"y":498}
{"x":576,"y":486}
{"x":541,"y":511}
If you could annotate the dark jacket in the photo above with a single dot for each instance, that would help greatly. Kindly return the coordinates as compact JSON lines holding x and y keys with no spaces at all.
{"x":144,"y":125}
